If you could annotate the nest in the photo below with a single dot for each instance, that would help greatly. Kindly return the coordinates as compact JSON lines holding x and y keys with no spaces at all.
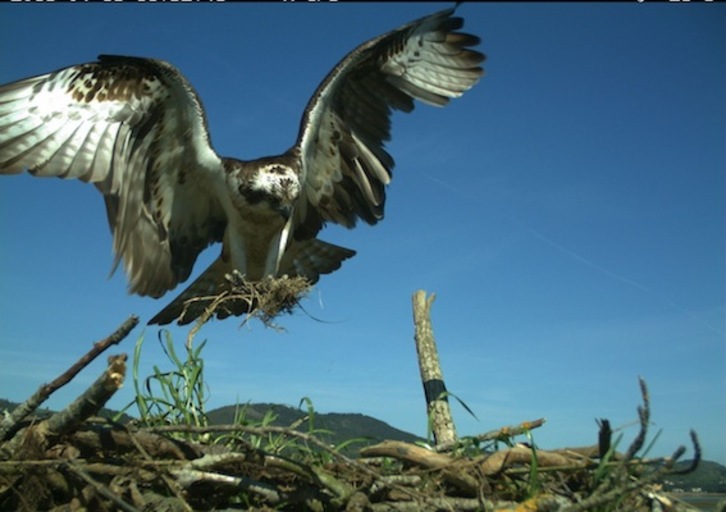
{"x":104,"y":466}
{"x":265,"y":299}
{"x":74,"y":460}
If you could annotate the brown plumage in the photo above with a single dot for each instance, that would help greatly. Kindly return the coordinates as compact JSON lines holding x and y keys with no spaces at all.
{"x":136,"y":129}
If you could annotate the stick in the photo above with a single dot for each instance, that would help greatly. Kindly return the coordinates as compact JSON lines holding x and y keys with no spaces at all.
{"x":189,"y":477}
{"x":66,"y":421}
{"x":100,"y":488}
{"x":498,"y":461}
{"x":408,"y":452}
{"x":9,"y":425}
{"x":92,"y":399}
{"x":501,"y":434}
{"x":450,"y":471}
{"x":262,"y":430}
{"x":437,"y":403}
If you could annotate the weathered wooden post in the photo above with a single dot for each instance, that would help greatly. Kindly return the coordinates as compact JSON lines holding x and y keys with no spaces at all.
{"x":437,"y":403}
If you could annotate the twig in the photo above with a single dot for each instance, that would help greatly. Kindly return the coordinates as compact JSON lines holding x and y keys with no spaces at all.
{"x":205,"y":316}
{"x":409,"y":453}
{"x":492,"y":435}
{"x":188,"y":477}
{"x":211,"y":461}
{"x":67,"y":420}
{"x":269,"y":429}
{"x":171,"y":484}
{"x":99,"y":487}
{"x":450,"y":471}
{"x":94,"y":439}
{"x":101,"y":468}
{"x":446,"y":503}
{"x":235,"y":296}
{"x":581,"y":464}
{"x":609,"y":493}
{"x":333,"y":484}
{"x":203,"y":467}
{"x":9,"y":425}
{"x":500,"y":460}
{"x":387,"y":481}
{"x":91,"y":400}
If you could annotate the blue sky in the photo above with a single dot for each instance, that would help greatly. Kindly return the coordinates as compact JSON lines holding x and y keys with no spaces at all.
{"x":568,"y":212}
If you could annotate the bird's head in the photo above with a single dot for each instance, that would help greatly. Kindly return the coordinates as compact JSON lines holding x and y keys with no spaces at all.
{"x":271,"y":185}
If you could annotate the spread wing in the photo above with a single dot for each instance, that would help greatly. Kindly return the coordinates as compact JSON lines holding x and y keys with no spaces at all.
{"x":348,"y":119}
{"x":136,"y":129}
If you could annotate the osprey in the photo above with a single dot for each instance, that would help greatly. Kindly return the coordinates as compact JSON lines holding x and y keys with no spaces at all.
{"x":136,"y":129}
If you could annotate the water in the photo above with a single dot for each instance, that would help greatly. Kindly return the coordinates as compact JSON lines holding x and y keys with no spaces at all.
{"x":702,"y":501}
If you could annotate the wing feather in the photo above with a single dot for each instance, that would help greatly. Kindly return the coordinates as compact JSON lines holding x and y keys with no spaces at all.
{"x":347,"y":121}
{"x":136,"y":129}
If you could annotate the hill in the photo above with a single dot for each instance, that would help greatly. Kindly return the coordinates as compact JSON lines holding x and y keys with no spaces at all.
{"x":342,"y":426}
{"x":44,"y":412}
{"x":338,"y":427}
{"x":708,"y":477}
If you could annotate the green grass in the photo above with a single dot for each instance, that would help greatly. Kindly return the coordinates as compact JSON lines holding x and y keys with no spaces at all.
{"x":175,"y":394}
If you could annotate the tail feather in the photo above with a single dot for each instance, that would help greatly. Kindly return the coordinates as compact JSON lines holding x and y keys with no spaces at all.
{"x":312,"y":258}
{"x":192,"y":302}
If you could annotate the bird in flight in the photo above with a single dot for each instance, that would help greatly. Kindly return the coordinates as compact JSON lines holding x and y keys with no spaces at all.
{"x":136,"y":129}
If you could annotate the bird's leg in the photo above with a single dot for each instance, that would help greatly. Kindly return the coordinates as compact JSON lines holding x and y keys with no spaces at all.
{"x":277,"y":248}
{"x":235,"y":278}
{"x":234,"y":246}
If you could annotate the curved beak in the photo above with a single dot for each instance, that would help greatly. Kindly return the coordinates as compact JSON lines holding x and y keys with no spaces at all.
{"x":285,"y":210}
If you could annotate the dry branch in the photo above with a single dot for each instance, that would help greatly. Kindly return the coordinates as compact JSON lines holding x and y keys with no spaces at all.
{"x":190,"y":477}
{"x":38,"y":437}
{"x":92,"y":438}
{"x":499,"y":461}
{"x":99,"y":487}
{"x":437,"y":403}
{"x":437,"y":504}
{"x":488,"y":465}
{"x":409,"y":453}
{"x":90,"y":401}
{"x":261,"y":430}
{"x":451,"y":470}
{"x":500,"y":434}
{"x":9,"y":424}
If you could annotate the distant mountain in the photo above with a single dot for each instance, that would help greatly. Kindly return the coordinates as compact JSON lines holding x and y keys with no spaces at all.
{"x":44,"y":412}
{"x":333,"y":428}
{"x":342,"y":427}
{"x":708,"y":477}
